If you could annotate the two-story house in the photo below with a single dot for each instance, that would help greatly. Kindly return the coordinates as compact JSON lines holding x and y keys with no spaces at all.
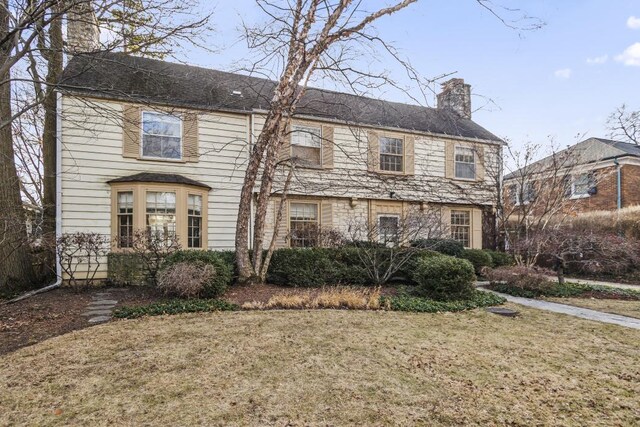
{"x":149,"y":144}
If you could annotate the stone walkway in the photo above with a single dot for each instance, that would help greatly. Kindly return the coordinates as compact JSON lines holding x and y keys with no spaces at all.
{"x":100,"y":308}
{"x":599,"y":283}
{"x":583,"y":313}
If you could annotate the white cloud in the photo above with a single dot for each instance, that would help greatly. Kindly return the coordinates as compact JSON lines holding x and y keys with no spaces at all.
{"x":598,"y":60}
{"x":633,"y":23}
{"x":630,"y":56}
{"x":563,"y":73}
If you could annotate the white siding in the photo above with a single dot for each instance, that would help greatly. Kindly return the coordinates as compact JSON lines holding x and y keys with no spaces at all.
{"x":92,"y":155}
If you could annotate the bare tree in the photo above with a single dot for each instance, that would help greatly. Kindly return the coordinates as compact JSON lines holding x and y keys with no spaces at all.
{"x":624,"y":125}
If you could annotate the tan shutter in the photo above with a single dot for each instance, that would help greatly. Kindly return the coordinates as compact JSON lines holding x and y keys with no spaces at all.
{"x":409,"y":155}
{"x":190,"y":136}
{"x":449,"y":156}
{"x":285,"y":150}
{"x":476,"y":227}
{"x":131,"y":131}
{"x":326,"y":218}
{"x":480,"y":157}
{"x":446,"y":221}
{"x":373,"y":156}
{"x":327,"y":147}
{"x":283,"y":230}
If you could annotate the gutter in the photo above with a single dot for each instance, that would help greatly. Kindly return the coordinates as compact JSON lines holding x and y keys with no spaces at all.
{"x":58,"y":281}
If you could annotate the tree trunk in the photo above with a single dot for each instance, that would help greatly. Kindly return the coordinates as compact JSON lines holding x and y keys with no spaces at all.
{"x":16,"y":269}
{"x":561,"y":265}
{"x":49,"y":136}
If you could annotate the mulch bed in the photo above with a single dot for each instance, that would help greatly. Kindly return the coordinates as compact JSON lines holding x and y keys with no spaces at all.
{"x":57,"y":312}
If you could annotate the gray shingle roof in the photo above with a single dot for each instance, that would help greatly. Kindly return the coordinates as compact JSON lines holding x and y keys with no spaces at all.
{"x":120,"y":76}
{"x":588,"y":151}
{"x":160,"y":177}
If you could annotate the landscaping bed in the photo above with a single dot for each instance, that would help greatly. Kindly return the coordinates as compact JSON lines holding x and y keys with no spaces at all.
{"x":568,"y":290}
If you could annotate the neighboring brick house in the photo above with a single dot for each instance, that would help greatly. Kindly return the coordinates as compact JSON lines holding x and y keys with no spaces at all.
{"x":600,"y":174}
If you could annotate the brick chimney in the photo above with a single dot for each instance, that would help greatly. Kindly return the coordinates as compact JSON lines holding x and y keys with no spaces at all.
{"x":83,"y":32}
{"x":456,"y":96}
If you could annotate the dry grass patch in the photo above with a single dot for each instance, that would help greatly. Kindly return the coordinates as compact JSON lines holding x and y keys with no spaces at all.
{"x":623,"y":308}
{"x":354,"y":298}
{"x":329,"y":367}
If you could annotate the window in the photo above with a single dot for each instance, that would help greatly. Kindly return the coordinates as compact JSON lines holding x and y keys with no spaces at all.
{"x":303,"y":223}
{"x":388,"y":229}
{"x":461,"y":227}
{"x":527,"y":195}
{"x":465,"y":163}
{"x":194,"y":221}
{"x":161,"y":214}
{"x":306,"y":145}
{"x":391,"y":154}
{"x":580,"y":185}
{"x":125,"y":219}
{"x":161,"y":136}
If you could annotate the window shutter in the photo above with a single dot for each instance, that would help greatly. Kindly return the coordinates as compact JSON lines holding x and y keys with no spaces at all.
{"x":476,"y":227}
{"x":190,"y":136}
{"x":409,"y":155}
{"x":327,"y":147}
{"x":566,"y":183}
{"x":326,"y":219}
{"x":283,"y":229}
{"x":593,"y":186}
{"x":373,"y":157}
{"x":479,"y":163}
{"x":131,"y":131}
{"x":285,"y":150}
{"x":449,"y":154}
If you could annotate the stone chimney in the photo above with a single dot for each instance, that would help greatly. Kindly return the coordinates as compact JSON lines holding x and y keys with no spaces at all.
{"x":456,"y":96}
{"x":83,"y":32}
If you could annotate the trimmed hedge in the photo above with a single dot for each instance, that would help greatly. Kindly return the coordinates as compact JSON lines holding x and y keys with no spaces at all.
{"x":422,"y":305}
{"x":444,"y":278}
{"x":308,"y":267}
{"x":500,"y":259}
{"x":478,"y":258}
{"x":223,"y":270}
{"x":444,"y":246}
{"x":175,"y":306}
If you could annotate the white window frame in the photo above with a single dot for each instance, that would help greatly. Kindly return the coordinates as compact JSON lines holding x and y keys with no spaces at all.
{"x":384,"y":215}
{"x":475,"y":163}
{"x":402,"y":156}
{"x":574,"y":195}
{"x":470,"y":226}
{"x":316,"y":222}
{"x":303,"y":128}
{"x":142,"y":134}
{"x":524,"y":193}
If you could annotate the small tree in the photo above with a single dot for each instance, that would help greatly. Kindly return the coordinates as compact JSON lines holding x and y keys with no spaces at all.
{"x":80,"y":256}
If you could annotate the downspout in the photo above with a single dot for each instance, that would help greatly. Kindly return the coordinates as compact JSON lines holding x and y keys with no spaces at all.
{"x":618,"y":182}
{"x":58,"y":280}
{"x":250,"y":147}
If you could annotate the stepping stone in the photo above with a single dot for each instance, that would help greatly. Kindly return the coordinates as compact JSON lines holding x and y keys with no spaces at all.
{"x":99,"y":319}
{"x":97,"y":313}
{"x":104,"y":302}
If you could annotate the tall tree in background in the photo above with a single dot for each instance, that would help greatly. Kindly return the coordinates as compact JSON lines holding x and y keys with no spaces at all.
{"x":624,"y":125}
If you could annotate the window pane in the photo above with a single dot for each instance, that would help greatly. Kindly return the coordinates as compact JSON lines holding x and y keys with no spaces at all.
{"x":390,"y":163}
{"x":194,"y":204}
{"x":303,"y":224}
{"x":391,"y":154}
{"x":306,"y":155}
{"x":465,"y":170}
{"x":306,"y":136}
{"x":161,"y":219}
{"x":581,"y":185}
{"x":465,"y":166}
{"x":388,"y":229}
{"x":125,"y":219}
{"x":194,"y":221}
{"x":461,"y":227}
{"x":161,"y":136}
{"x":391,"y":146}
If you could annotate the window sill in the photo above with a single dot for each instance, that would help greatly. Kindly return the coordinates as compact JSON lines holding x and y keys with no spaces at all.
{"x":161,"y":160}
{"x":466,"y":179}
{"x":579,"y":196}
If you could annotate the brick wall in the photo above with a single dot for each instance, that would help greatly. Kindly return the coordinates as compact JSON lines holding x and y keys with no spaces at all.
{"x":630,"y":185}
{"x":605,"y":198}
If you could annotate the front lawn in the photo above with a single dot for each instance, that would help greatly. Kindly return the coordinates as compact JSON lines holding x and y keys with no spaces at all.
{"x":328,"y":367}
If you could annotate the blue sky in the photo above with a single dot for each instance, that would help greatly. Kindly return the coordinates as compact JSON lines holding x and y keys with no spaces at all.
{"x":562,"y":80}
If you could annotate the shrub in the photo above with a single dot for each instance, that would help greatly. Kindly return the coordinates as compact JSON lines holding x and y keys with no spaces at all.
{"x":444,"y":246}
{"x":333,"y":297}
{"x":125,"y":269}
{"x":444,"y":278}
{"x":521,"y":281}
{"x":477,"y":299}
{"x":219,"y":281}
{"x":479,"y":258}
{"x":499,"y":258}
{"x":308,"y":267}
{"x":174,"y":307}
{"x":185,"y":279}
